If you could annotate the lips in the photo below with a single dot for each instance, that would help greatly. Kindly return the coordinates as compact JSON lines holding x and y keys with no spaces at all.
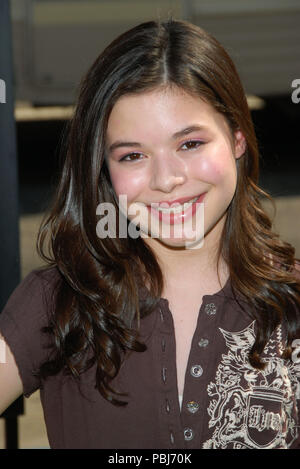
{"x":176,"y":212}
{"x":176,"y":207}
{"x":167,"y":203}
{"x":174,"y":203}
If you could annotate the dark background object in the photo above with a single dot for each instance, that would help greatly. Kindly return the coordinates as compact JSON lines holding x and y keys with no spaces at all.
{"x":9,"y":221}
{"x":277,"y":130}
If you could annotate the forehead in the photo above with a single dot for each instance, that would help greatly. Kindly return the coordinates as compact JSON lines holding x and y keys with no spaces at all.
{"x":160,"y":111}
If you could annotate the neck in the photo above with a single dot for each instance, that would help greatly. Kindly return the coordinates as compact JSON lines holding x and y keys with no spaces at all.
{"x":186,"y":267}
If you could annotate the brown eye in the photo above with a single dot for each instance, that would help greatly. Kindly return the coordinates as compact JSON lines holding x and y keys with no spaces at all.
{"x":191,"y":144}
{"x":131,"y":157}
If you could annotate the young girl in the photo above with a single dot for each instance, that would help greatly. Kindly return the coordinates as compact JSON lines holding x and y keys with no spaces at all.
{"x":177,"y":331}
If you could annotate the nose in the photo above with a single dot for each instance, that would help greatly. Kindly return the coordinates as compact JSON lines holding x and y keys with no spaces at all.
{"x":167,"y":172}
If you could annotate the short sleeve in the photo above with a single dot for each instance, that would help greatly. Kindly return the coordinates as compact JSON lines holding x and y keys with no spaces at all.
{"x":21,"y":321}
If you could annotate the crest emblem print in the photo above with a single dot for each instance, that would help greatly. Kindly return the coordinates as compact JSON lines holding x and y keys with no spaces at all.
{"x":252,"y":408}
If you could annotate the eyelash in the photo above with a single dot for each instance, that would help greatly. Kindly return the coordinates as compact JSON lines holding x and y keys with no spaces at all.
{"x":196,"y":142}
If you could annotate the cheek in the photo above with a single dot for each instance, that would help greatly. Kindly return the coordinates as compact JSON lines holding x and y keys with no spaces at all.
{"x":127,"y":183}
{"x":218,"y":168}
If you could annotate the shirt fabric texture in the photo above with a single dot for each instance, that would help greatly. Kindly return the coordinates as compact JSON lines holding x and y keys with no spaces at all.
{"x":226,"y":404}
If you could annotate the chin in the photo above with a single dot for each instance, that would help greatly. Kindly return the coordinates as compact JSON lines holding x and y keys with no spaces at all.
{"x":187,"y":244}
{"x":178,"y":243}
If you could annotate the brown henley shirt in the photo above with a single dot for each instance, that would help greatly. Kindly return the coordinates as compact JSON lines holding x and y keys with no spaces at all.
{"x":226,"y":402}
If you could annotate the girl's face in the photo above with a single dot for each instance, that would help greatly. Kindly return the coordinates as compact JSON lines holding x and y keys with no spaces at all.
{"x":165,"y":146}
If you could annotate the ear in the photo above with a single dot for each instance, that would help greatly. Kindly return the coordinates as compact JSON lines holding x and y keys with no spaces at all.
{"x":240,"y":144}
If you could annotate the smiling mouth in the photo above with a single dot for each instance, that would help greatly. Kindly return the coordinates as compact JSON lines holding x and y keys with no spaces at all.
{"x":177,"y":213}
{"x":176,"y":207}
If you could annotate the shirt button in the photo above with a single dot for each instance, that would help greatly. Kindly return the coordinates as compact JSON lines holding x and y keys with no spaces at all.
{"x":203,"y":343}
{"x":210,"y":309}
{"x":188,"y":434}
{"x":192,"y":406}
{"x":196,"y":371}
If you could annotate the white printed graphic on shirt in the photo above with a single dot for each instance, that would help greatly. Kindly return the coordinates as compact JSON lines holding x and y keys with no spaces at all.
{"x":252,"y":408}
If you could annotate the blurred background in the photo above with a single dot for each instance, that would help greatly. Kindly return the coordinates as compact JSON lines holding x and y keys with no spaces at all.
{"x":54,"y":42}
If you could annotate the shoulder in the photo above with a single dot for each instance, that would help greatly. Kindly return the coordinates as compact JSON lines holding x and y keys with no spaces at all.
{"x":22,"y":320}
{"x":31,"y":297}
{"x":48,"y":276}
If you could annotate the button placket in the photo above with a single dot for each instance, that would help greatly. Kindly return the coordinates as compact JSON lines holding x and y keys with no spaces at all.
{"x":163,"y":347}
{"x":203,"y":342}
{"x":170,"y":420}
{"x":196,"y":371}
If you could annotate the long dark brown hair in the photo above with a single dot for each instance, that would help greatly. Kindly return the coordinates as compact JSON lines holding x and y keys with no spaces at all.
{"x":98,"y":306}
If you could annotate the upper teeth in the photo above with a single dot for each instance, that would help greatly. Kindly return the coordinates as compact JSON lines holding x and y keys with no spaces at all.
{"x":179,"y":208}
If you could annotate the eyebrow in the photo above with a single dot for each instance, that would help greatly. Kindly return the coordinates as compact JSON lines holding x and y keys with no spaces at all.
{"x":180,"y":133}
